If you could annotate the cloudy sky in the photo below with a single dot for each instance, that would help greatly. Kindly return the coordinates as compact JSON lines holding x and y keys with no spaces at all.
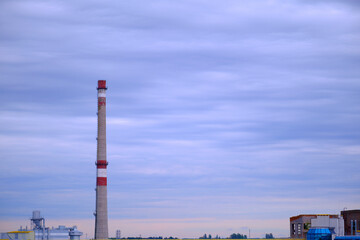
{"x":223,"y":115}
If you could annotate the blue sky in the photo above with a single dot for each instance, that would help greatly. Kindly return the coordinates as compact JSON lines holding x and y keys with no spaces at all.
{"x":222,"y":115}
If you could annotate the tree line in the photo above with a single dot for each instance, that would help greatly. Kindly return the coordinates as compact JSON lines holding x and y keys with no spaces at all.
{"x":234,"y":236}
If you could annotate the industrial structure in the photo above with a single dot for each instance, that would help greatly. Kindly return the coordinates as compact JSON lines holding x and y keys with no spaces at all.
{"x":38,"y":231}
{"x":301,"y":224}
{"x":101,"y":213}
{"x":345,"y":226}
{"x":319,"y":234}
{"x":335,"y":225}
{"x":352,"y":221}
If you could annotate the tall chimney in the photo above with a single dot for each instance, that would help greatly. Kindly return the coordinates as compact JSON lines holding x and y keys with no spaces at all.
{"x":101,"y":214}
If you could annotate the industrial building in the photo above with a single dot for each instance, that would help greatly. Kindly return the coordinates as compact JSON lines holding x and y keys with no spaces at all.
{"x":38,"y":231}
{"x":352,"y":221}
{"x":301,"y":224}
{"x":326,"y":234}
{"x":335,"y":225}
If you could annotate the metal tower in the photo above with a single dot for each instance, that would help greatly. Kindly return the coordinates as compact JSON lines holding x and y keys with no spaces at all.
{"x":101,"y":214}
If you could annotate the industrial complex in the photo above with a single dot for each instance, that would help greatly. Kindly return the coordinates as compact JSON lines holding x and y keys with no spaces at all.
{"x":301,"y":224}
{"x":345,"y":224}
{"x":38,"y":231}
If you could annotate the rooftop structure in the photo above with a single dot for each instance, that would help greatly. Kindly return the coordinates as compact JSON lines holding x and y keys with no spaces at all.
{"x":318,"y":234}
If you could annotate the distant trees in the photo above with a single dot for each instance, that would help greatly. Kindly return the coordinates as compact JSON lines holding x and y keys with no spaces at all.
{"x":209,"y":237}
{"x":269,"y":236}
{"x":238,"y":236}
{"x":203,"y":237}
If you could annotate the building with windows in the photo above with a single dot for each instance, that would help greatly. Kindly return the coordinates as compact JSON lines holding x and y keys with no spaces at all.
{"x":300,"y":225}
{"x":352,"y":221}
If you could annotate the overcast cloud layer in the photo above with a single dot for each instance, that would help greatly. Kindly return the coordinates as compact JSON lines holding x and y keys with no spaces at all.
{"x":222,"y":115}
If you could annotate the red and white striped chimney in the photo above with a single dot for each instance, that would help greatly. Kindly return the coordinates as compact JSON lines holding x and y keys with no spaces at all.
{"x":101,"y":214}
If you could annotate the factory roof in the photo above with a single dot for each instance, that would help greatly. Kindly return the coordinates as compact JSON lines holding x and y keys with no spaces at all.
{"x":293,"y":218}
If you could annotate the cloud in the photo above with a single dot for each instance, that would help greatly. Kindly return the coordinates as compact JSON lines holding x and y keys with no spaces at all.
{"x":212,"y":108}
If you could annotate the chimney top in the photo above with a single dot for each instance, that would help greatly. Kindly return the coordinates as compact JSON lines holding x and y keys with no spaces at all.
{"x":102,"y":84}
